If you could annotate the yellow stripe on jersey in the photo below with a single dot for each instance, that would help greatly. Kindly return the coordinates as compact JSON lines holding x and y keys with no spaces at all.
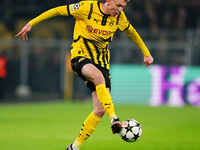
{"x":94,"y":51}
{"x":89,"y":50}
{"x":97,"y":55}
{"x":106,"y":57}
{"x":101,"y":59}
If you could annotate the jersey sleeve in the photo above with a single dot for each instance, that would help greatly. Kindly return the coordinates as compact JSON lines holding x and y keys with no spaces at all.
{"x":78,"y":10}
{"x":123,"y":22}
{"x":58,"y":11}
{"x":135,"y":37}
{"x":125,"y":26}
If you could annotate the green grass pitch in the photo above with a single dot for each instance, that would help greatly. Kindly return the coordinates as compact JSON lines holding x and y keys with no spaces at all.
{"x":49,"y":126}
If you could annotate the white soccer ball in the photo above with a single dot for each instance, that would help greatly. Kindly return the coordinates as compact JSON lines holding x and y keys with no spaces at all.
{"x":131,"y":130}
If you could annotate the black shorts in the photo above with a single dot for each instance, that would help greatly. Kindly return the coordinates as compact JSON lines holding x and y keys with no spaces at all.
{"x":77,"y":64}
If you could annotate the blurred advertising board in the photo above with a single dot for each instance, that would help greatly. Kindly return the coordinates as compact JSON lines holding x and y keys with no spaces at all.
{"x":156,"y":85}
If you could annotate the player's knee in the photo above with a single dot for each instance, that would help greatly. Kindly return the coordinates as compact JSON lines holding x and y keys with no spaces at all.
{"x":99,"y":79}
{"x":93,"y":74}
{"x":99,"y":112}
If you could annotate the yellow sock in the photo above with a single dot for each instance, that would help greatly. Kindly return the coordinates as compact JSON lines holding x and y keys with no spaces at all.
{"x":88,"y":127}
{"x":106,"y":100}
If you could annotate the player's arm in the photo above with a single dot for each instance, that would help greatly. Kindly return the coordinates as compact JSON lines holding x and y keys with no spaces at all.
{"x":125,"y":26}
{"x":135,"y":37}
{"x":58,"y":11}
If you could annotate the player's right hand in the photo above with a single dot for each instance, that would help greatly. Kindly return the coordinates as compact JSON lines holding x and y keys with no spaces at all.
{"x":148,"y":60}
{"x":24,"y":31}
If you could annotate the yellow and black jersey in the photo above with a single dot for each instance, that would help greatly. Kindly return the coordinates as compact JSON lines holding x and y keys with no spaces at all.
{"x":94,"y":30}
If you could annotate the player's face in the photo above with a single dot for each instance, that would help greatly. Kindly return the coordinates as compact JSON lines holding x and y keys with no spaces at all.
{"x":116,"y":6}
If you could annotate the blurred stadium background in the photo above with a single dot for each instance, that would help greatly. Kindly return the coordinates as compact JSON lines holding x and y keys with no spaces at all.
{"x":35,"y":69}
{"x":38,"y":71}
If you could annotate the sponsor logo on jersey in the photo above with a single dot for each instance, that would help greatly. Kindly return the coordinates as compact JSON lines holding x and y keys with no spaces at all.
{"x":97,"y":31}
{"x":74,"y":6}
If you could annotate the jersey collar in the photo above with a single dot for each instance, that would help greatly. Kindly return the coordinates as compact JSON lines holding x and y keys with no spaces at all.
{"x":100,"y":8}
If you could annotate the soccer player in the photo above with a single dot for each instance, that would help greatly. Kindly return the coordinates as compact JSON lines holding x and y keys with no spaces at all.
{"x":96,"y":23}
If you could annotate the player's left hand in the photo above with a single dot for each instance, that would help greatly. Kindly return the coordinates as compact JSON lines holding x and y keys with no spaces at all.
{"x":24,"y":31}
{"x":148,"y":60}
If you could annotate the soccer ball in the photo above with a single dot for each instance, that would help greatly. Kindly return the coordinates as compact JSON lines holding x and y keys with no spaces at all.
{"x":131,"y":130}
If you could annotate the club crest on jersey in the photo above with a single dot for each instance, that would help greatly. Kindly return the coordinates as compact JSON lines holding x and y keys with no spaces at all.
{"x":74,"y":6}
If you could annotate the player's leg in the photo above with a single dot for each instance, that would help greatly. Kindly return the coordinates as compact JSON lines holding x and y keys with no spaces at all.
{"x":93,"y":74}
{"x":91,"y":121}
{"x":97,"y":107}
{"x":101,"y":80}
{"x":96,"y":77}
{"x":99,"y":111}
{"x":89,"y":72}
